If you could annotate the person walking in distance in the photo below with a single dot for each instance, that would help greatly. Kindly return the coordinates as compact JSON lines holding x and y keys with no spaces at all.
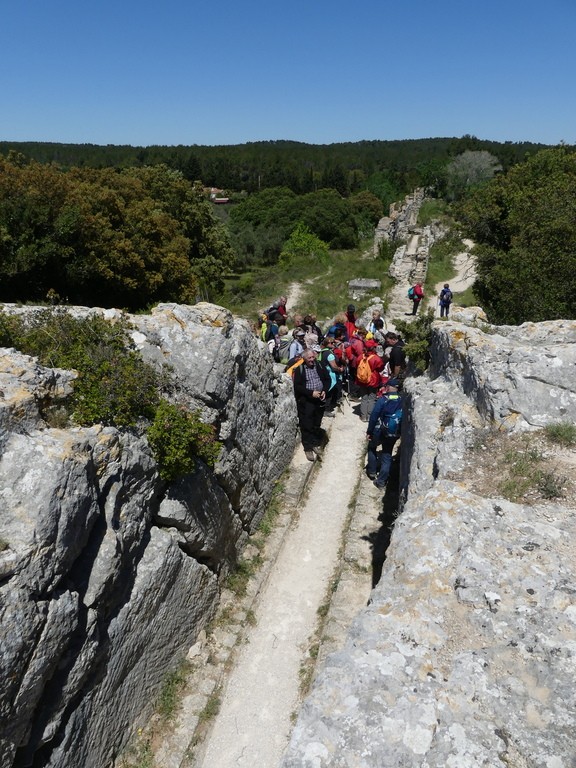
{"x":416,"y":293}
{"x":311,"y":383}
{"x":445,"y":300}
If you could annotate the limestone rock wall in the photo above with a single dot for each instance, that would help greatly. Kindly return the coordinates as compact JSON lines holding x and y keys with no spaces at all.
{"x":465,"y":655}
{"x":107,"y":574}
{"x":401,"y":221}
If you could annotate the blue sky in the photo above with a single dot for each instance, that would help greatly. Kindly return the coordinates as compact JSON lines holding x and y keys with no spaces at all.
{"x":183,"y":72}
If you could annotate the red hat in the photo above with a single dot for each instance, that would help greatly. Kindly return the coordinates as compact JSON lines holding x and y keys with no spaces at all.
{"x":370,"y":344}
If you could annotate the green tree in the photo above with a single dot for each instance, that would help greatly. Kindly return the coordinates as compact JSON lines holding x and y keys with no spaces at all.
{"x":303,"y":247}
{"x":468,"y":170}
{"x":105,"y":237}
{"x":525,"y":223}
{"x":329,"y":217}
{"x":366,"y":205}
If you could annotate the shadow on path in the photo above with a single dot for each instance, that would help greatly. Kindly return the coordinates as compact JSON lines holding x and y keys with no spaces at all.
{"x":380,"y":539}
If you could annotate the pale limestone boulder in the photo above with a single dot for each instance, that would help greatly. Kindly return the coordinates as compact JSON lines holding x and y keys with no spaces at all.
{"x":519,"y":378}
{"x":107,"y":572}
{"x":27,"y":388}
{"x":171,"y":595}
{"x":222,"y":369}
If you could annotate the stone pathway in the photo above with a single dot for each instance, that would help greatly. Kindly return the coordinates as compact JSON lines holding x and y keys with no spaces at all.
{"x":320,"y":564}
{"x":263,"y":691}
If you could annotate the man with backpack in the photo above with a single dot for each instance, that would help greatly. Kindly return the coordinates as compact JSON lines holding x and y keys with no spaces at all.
{"x":368,"y":378}
{"x":445,"y":300}
{"x":396,"y":354}
{"x":327,"y":358}
{"x":384,"y":430}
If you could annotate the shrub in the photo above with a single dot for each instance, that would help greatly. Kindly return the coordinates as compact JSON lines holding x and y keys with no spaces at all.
{"x":551,"y":485}
{"x":177,"y":436}
{"x":303,"y":246}
{"x":115,"y":386}
{"x":417,"y":336}
{"x":561,"y":432}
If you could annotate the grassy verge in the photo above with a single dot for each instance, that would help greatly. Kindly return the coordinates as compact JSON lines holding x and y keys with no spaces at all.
{"x":466,"y":298}
{"x":441,"y":263}
{"x":520,"y":467}
{"x":324,"y":294}
{"x":431,"y":210}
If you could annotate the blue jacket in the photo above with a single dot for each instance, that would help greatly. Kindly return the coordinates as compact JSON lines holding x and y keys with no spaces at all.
{"x":384,"y":406}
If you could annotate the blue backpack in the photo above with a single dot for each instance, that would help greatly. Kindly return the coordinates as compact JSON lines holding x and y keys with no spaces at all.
{"x":392,"y":422}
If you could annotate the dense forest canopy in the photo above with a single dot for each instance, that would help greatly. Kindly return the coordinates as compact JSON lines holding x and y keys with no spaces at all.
{"x":129,"y":226}
{"x":125,"y":238}
{"x":389,"y":169}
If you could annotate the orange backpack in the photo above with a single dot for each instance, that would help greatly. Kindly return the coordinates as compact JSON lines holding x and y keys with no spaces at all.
{"x":364,"y":370}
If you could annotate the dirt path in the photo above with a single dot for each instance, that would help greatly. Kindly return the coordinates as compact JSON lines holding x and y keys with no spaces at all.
{"x":465,"y":268}
{"x":293,"y":295}
{"x":263,"y":690}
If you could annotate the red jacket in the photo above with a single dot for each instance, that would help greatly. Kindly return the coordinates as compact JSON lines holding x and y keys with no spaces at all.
{"x":376,"y":364}
{"x":418,"y":293}
{"x":355,"y":351}
{"x":350,"y":324}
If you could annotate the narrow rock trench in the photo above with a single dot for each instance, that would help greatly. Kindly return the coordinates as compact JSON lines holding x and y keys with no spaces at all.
{"x":322,"y":569}
{"x":333,"y":542}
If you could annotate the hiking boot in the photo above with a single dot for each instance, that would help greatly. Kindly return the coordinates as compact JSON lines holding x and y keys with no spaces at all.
{"x":318,"y":450}
{"x":310,"y":455}
{"x":330,"y":414}
{"x":377,"y":484}
{"x":371,"y":476}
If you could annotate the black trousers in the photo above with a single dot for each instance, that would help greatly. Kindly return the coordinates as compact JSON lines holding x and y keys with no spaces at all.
{"x":310,"y":420}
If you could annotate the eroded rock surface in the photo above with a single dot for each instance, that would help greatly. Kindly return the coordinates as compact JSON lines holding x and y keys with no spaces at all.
{"x":107,"y":574}
{"x":465,"y":655}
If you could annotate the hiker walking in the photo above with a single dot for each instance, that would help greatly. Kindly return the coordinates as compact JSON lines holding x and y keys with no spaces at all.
{"x":297,"y":344}
{"x":335,"y":367}
{"x":445,"y":300}
{"x":383,"y":430}
{"x":368,"y":378}
{"x":311,"y":383}
{"x":396,"y":354}
{"x":416,"y":294}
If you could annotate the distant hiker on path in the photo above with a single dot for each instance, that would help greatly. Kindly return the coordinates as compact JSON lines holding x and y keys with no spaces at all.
{"x":311,"y":383}
{"x":416,"y":294}
{"x":445,"y":300}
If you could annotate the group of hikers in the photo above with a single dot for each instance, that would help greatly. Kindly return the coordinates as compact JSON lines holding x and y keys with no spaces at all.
{"x":358,"y":361}
{"x":354,"y":361}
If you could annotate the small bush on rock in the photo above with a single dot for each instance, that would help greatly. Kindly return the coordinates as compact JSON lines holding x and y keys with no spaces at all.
{"x":115,"y":386}
{"x":417,"y":335}
{"x":177,"y":436}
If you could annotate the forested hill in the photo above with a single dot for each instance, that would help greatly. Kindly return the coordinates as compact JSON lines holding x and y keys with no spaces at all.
{"x":298,"y":166}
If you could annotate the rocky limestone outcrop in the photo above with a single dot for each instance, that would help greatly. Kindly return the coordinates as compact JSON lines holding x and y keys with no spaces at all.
{"x":465,"y":655}
{"x":107,"y":573}
{"x":401,"y":221}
